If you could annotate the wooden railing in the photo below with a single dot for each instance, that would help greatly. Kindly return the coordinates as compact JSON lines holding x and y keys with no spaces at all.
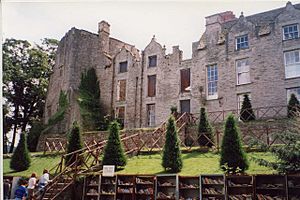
{"x":260,"y":113}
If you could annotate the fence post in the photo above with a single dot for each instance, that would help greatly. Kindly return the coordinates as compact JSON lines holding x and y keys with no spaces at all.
{"x":267,"y":131}
{"x":218,"y":140}
{"x":45,"y":146}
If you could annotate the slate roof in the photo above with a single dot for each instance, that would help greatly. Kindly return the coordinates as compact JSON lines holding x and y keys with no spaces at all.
{"x":260,"y":18}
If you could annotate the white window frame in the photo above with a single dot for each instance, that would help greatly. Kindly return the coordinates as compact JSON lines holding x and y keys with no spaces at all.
{"x":215,"y":95}
{"x":236,"y":42}
{"x":295,"y":65}
{"x":118,"y":89}
{"x":293,"y":37}
{"x":150,"y":116}
{"x":243,"y":71}
{"x":295,"y":90}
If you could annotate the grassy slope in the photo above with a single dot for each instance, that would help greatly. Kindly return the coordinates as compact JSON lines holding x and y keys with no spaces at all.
{"x":38,"y":164}
{"x":193,"y":164}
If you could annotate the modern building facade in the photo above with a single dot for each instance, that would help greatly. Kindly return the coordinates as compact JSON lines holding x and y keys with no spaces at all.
{"x":258,"y":55}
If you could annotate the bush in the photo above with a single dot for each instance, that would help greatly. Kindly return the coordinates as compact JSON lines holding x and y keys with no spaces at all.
{"x":20,"y":160}
{"x":287,"y":155}
{"x":74,"y":143}
{"x":171,"y":154}
{"x":247,"y":113}
{"x":34,"y":135}
{"x":114,"y":152}
{"x":205,"y":129}
{"x":233,"y":158}
{"x":293,"y":106}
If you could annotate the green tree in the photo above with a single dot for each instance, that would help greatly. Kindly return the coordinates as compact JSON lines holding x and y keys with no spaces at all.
{"x":114,"y":152}
{"x":172,"y":159}
{"x":89,"y":102}
{"x":26,"y":71}
{"x":6,"y":126}
{"x":20,"y":160}
{"x":247,"y":113}
{"x":34,"y":135}
{"x":205,"y":130}
{"x":74,"y":143}
{"x":287,"y":155}
{"x":293,"y":106}
{"x":233,"y":157}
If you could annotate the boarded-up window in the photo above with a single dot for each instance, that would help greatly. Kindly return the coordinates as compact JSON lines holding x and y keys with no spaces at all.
{"x":152,"y":86}
{"x":185,"y":80}
{"x":120,"y":115}
{"x":123,"y":67}
{"x":185,"y":106}
{"x":152,"y":61}
{"x":151,"y":114}
{"x":121,"y":90}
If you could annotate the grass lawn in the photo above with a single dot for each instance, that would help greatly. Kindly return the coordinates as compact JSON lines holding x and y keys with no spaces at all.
{"x":194,"y":163}
{"x":38,"y":164}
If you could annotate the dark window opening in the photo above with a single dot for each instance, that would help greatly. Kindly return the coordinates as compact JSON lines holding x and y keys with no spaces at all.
{"x":152,"y":86}
{"x":185,"y":106}
{"x":123,"y":67}
{"x":152,"y":61}
{"x":185,"y":80}
{"x":120,"y":115}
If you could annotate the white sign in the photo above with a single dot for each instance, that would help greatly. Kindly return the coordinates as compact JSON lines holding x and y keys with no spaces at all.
{"x":108,"y":170}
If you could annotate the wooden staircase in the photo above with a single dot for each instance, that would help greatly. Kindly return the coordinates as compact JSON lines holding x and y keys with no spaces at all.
{"x":87,"y":159}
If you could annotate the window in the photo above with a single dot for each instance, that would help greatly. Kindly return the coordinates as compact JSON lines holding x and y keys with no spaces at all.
{"x":292,"y":63}
{"x":185,"y":80}
{"x":152,"y":86}
{"x":212,"y":82}
{"x":295,"y":91}
{"x":242,"y":71}
{"x":240,"y":99}
{"x":151,"y":114}
{"x":123,"y":67}
{"x":290,"y":32}
{"x":121,"y":90}
{"x":152,"y":61}
{"x":242,"y":42}
{"x":185,"y":106}
{"x":120,"y":115}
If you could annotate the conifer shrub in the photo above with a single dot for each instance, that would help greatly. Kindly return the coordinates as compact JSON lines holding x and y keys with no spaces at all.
{"x":247,"y":113}
{"x":20,"y":160}
{"x":293,"y":106}
{"x":233,"y":158}
{"x":204,"y":128}
{"x":114,"y":152}
{"x":74,"y":143}
{"x":172,"y":159}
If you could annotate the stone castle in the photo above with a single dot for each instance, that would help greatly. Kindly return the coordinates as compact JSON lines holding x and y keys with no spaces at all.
{"x":258,"y":55}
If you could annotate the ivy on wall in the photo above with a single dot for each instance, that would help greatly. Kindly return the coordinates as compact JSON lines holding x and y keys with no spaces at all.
{"x":91,"y":109}
{"x":62,"y":107}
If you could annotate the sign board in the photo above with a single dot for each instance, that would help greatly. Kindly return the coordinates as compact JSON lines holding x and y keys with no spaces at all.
{"x":108,"y":170}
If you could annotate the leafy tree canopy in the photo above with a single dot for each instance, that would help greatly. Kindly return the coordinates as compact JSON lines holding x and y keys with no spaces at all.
{"x":26,"y":71}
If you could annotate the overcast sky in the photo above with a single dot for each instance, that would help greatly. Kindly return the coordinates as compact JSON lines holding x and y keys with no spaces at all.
{"x":135,"y":22}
